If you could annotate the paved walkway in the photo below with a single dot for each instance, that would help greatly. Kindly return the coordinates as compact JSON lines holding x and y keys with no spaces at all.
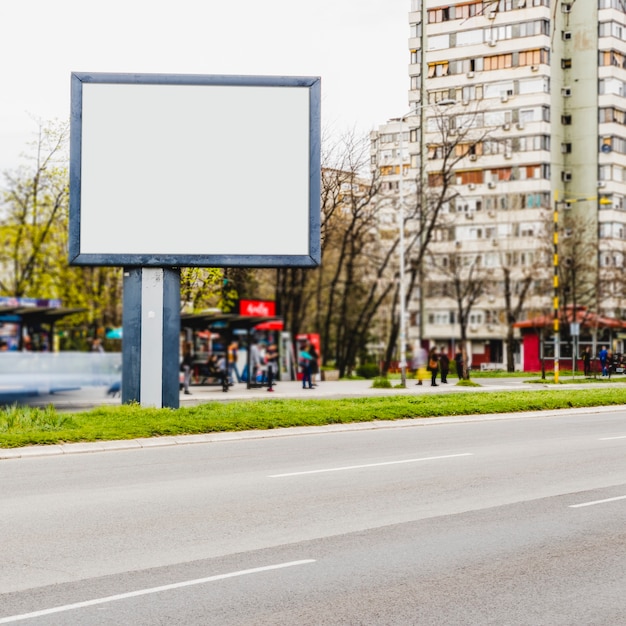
{"x":89,"y":397}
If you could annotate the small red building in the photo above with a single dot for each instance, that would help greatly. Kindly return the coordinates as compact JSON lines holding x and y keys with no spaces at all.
{"x":578,"y":328}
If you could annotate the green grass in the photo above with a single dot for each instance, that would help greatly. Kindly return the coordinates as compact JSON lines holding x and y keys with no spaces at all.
{"x":20,"y":426}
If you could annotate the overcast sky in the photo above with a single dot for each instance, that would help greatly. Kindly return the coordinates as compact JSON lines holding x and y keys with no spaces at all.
{"x":358,"y":47}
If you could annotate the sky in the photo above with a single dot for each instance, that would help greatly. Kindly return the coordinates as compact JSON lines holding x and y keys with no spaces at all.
{"x":358,"y":48}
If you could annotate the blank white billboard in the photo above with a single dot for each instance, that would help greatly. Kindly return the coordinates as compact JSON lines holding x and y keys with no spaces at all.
{"x":187,"y":170}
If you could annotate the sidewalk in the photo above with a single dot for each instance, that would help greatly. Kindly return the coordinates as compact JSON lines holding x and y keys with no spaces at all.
{"x":90,"y":397}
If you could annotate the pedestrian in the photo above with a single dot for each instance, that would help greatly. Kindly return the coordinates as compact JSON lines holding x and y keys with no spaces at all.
{"x":255,"y":361}
{"x":603,"y":356}
{"x":233,"y":372}
{"x":315,"y":363}
{"x":420,"y":360}
{"x":271,"y":356}
{"x":304,"y":360}
{"x":587,"y":361}
{"x":458,"y":359}
{"x":96,"y":345}
{"x":433,"y":366}
{"x":185,"y":366}
{"x":444,"y":365}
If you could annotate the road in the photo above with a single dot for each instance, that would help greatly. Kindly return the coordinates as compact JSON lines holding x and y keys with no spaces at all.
{"x":514,"y":520}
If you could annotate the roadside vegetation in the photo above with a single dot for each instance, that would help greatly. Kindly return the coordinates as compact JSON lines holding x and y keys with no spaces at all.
{"x":21,"y":426}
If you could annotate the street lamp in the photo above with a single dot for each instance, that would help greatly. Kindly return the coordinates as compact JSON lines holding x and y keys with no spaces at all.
{"x":403,"y":313}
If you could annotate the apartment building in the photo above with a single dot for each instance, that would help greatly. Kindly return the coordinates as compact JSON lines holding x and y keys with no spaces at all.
{"x":536,"y":95}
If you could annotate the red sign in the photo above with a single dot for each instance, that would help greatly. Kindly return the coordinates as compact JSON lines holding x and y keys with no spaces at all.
{"x":257,"y":308}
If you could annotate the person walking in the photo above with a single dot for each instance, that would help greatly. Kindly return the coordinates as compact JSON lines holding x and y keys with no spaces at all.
{"x":587,"y":361}
{"x":233,"y":372}
{"x":419,"y":362}
{"x":433,"y":366}
{"x":255,"y":359}
{"x":444,"y":365}
{"x":185,"y":366}
{"x":305,"y":364}
{"x":458,"y":359}
{"x":603,"y":356}
{"x":271,"y":356}
{"x":315,"y":364}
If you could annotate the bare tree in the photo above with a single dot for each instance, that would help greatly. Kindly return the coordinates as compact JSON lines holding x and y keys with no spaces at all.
{"x":465,"y":283}
{"x":453,"y":138}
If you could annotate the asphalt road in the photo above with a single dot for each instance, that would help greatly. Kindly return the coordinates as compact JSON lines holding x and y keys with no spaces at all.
{"x":510,"y":520}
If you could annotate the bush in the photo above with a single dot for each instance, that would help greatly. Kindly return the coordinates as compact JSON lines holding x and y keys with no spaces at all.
{"x":367,"y":370}
{"x":380,"y":382}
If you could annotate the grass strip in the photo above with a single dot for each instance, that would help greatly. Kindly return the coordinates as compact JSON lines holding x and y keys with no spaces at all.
{"x":20,"y":426}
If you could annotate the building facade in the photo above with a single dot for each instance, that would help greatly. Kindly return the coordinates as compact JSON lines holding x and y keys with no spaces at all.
{"x":538,"y":135}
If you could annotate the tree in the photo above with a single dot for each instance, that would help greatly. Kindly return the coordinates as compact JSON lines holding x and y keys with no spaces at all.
{"x":340,"y":299}
{"x":34,"y":206}
{"x":453,"y":138}
{"x":34,"y":229}
{"x":464,"y":282}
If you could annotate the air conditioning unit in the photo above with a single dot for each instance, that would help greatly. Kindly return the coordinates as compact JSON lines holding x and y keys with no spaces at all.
{"x":491,"y":185}
{"x":490,"y":327}
{"x":504,"y":99}
{"x":472,"y":157}
{"x":471,"y":186}
{"x":492,"y":15}
{"x":457,"y":244}
{"x":508,"y":155}
{"x":534,"y":68}
{"x":601,"y":184}
{"x":469,"y":216}
{"x":452,"y":131}
{"x":491,"y":213}
{"x":506,"y":126}
{"x":492,"y":42}
{"x":494,"y":242}
{"x":520,"y":126}
{"x":465,"y":103}
{"x":470,"y":74}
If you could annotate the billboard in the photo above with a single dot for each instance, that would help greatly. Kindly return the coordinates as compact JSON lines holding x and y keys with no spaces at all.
{"x":194,"y":170}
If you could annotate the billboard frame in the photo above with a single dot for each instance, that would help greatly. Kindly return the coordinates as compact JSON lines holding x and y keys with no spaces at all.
{"x":282,"y":252}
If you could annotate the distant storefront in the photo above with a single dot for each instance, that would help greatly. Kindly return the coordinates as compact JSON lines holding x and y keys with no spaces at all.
{"x":579,"y":328}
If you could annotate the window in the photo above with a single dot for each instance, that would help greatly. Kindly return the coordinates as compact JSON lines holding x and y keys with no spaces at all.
{"x":566,"y":64}
{"x":498,"y":62}
{"x":438,"y":69}
{"x":566,"y":120}
{"x":566,"y":148}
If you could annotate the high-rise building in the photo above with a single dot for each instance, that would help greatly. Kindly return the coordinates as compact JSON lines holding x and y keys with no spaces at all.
{"x":538,"y":134}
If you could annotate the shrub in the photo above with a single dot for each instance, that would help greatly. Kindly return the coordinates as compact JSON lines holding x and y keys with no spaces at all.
{"x":367,"y":370}
{"x":380,"y":382}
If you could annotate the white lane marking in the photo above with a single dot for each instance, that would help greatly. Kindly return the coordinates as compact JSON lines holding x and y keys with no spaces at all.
{"x":353,"y":467}
{"x":611,"y":438}
{"x":143,"y":592}
{"x":577,"y":506}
